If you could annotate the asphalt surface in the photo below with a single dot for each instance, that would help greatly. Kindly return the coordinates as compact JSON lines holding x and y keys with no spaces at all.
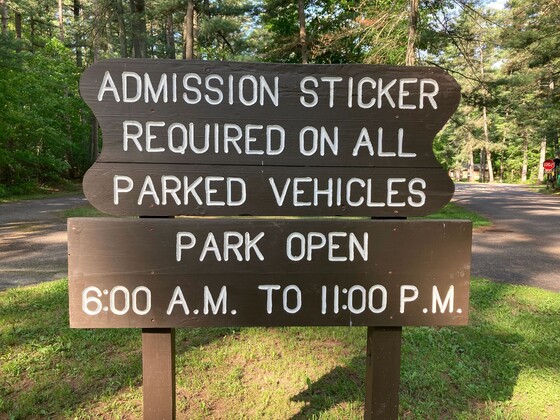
{"x":33,"y":240}
{"x":523,"y":244}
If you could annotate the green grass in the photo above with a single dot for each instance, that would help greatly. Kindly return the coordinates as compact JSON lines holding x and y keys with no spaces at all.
{"x":504,"y":365}
{"x":84,"y":211}
{"x":454,"y":211}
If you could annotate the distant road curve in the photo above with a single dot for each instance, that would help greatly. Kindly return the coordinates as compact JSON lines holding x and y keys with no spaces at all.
{"x":523,"y":245}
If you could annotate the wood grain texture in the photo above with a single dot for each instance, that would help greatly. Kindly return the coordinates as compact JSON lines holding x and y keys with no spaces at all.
{"x":363,"y":191}
{"x":114,"y":257}
{"x":158,"y":374}
{"x":420,"y":125}
{"x":258,"y":119}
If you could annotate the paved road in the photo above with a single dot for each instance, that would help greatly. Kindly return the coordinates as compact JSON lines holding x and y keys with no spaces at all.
{"x":33,"y":240}
{"x":523,"y":245}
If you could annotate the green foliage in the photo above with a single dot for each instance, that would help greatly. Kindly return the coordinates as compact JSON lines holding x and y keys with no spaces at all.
{"x":336,"y":31}
{"x":506,"y":62}
{"x":43,"y":132}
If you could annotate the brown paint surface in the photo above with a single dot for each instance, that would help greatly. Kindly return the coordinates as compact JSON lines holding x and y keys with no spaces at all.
{"x":116,"y":256}
{"x":399,"y":132}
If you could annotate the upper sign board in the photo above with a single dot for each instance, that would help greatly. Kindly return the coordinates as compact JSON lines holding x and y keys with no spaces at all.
{"x":180,"y":136}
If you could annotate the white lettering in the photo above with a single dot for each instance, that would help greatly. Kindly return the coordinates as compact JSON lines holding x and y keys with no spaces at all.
{"x":280,"y":197}
{"x":361,"y":102}
{"x":403,"y":93}
{"x":167,"y":190}
{"x":148,"y":189}
{"x":150,"y":136}
{"x":314,"y":97}
{"x":117,"y":189}
{"x":108,"y":85}
{"x":251,"y":244}
{"x":363,"y":140}
{"x":269,"y":288}
{"x":448,"y":302}
{"x":391,"y":192}
{"x":297,"y":291}
{"x":125,"y":87}
{"x":219,"y":95}
{"x":254,"y":96}
{"x":149,"y":88}
{"x":180,"y":246}
{"x":189,"y":88}
{"x":209,"y":302}
{"x":331,"y":81}
{"x":383,"y":91}
{"x":371,"y":305}
{"x":406,"y":299}
{"x":429,"y":95}
{"x":415,"y":192}
{"x":400,"y":140}
{"x":177,"y":299}
{"x":210,"y":245}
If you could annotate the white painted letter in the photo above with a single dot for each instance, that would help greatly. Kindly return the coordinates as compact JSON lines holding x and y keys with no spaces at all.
{"x":405,"y":299}
{"x":179,"y":246}
{"x":117,"y":189}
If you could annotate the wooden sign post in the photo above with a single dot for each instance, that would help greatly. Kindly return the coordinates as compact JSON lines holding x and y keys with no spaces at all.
{"x":197,"y":138}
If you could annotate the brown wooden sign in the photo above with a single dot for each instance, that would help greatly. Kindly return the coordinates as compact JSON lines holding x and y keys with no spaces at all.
{"x":157,"y":189}
{"x":326,"y":130}
{"x":154,"y":273}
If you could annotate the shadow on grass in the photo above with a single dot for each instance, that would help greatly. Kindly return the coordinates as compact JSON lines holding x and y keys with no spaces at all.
{"x":48,"y":369}
{"x":342,"y":385}
{"x":444,"y":371}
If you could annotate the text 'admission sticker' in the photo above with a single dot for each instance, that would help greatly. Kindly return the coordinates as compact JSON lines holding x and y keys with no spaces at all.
{"x":267,"y":272}
{"x":187,"y":137}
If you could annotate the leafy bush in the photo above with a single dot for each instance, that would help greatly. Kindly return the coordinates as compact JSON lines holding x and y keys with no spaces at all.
{"x":44,"y":129}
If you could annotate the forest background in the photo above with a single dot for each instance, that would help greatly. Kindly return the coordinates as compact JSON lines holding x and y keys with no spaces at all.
{"x":506,"y":56}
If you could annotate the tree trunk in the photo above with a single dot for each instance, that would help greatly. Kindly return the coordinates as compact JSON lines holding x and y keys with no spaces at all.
{"x":412,"y":33}
{"x":32,"y":32}
{"x":170,"y":38}
{"x":489,"y":165}
{"x":61,"y":20}
{"x":302,"y":32}
{"x":18,"y":25}
{"x":541,"y":160}
{"x":470,"y":169}
{"x":79,"y":55}
{"x":482,"y":167}
{"x":122,"y":29}
{"x":525,"y":157}
{"x":4,"y":17}
{"x":188,"y":31}
{"x":138,"y":20}
{"x":487,"y":141}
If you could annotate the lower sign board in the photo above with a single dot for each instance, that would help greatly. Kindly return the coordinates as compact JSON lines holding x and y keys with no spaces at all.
{"x":152,"y":273}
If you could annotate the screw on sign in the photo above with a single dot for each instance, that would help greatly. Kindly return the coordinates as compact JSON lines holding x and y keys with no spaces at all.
{"x":199,"y":138}
{"x":549,"y":165}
